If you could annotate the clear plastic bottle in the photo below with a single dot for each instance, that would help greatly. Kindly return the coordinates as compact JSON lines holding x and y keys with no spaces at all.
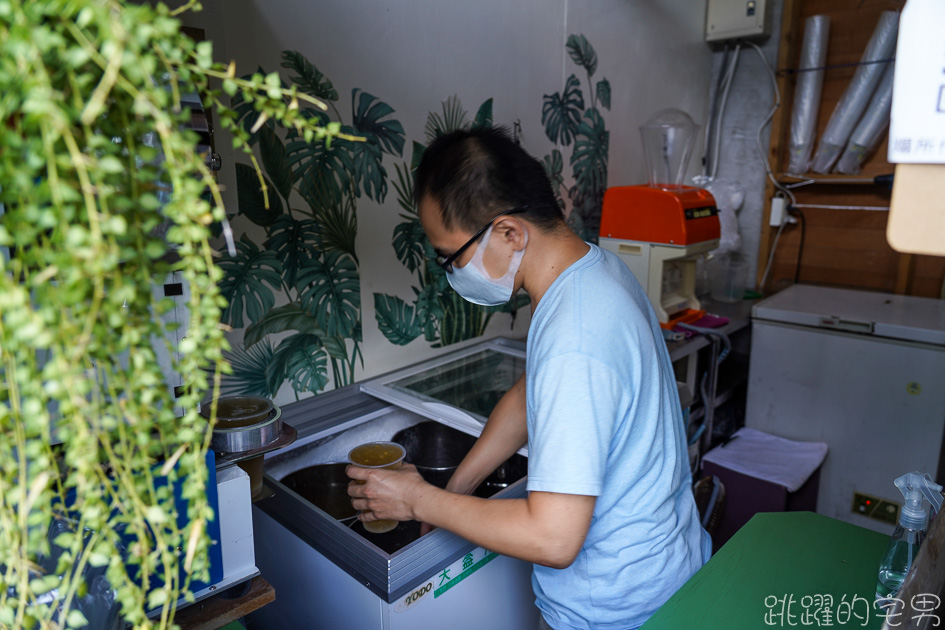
{"x":909,"y":533}
{"x":902,"y":550}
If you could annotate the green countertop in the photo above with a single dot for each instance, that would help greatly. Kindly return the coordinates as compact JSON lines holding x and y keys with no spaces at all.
{"x":783,"y":569}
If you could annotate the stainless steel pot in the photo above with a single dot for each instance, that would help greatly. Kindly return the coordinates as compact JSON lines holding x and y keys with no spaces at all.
{"x":436,"y":450}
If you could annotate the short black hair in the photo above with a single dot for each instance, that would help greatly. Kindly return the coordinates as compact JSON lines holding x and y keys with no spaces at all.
{"x":475,"y":174}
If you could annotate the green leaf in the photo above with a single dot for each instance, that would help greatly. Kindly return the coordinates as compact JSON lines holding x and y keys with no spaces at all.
{"x":331,"y":291}
{"x":337,"y":219}
{"x":404,"y":188}
{"x":273,"y":159}
{"x":301,"y":359}
{"x":582,"y":53}
{"x":590,"y":153}
{"x":418,"y":150}
{"x":430,"y":309}
{"x":249,"y":377}
{"x":249,"y":195}
{"x":366,"y":114}
{"x":483,"y":119}
{"x":295,"y":242}
{"x":243,"y":282}
{"x":308,"y":77}
{"x":280,"y":319}
{"x":408,"y":243}
{"x":396,"y":319}
{"x":453,"y":119}
{"x":246,"y":113}
{"x":603,"y":93}
{"x":157,"y":598}
{"x":554,"y":167}
{"x":97,"y":559}
{"x":318,"y":167}
{"x":75,"y":619}
{"x":561,"y":115}
{"x":369,"y":171}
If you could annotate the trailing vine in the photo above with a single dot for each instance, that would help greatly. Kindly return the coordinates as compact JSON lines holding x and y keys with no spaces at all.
{"x":94,"y":446}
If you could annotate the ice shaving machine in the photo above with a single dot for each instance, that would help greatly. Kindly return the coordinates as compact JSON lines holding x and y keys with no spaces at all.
{"x":659,"y":230}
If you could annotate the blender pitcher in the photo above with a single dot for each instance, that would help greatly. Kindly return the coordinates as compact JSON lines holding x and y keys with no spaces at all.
{"x":668,"y":139}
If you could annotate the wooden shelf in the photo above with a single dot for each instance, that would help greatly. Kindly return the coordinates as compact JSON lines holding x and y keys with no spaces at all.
{"x":230,"y":605}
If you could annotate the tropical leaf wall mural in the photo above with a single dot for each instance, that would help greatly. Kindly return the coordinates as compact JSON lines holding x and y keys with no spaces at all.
{"x":437,"y":312}
{"x":306,"y":204}
{"x":568,"y":117}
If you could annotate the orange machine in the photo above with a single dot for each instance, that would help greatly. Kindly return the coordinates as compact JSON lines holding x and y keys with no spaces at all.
{"x":659,"y":232}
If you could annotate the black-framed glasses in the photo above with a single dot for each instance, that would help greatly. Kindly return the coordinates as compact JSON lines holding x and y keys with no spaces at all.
{"x":446,"y":262}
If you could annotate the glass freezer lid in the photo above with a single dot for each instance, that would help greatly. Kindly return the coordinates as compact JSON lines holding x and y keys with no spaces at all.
{"x":460,"y":388}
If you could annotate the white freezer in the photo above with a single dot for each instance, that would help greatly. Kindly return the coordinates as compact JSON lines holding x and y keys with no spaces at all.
{"x":330,"y":575}
{"x":863,"y":372}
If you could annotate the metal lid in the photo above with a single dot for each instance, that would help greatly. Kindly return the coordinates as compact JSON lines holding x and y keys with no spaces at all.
{"x":239,"y":411}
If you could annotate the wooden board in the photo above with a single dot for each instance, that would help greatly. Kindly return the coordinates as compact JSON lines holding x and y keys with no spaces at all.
{"x":219,"y":610}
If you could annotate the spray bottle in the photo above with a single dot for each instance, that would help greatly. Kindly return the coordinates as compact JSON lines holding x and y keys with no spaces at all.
{"x":909,"y":533}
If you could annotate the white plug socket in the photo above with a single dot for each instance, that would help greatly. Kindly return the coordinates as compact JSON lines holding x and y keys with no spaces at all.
{"x":776,"y":218}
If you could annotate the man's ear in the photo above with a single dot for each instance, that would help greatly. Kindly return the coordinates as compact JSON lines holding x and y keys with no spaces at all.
{"x":511,"y":230}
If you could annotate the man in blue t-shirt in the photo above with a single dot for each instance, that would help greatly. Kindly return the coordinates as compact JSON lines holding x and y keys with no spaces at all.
{"x":609,"y":522}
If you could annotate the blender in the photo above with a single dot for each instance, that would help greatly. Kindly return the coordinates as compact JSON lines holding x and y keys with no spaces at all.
{"x":660,"y":230}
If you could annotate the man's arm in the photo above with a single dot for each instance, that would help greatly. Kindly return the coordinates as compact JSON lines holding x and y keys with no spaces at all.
{"x":547,"y":528}
{"x":504,"y":433}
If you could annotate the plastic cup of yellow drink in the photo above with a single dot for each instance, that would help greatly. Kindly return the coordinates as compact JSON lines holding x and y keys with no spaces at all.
{"x":378,"y":455}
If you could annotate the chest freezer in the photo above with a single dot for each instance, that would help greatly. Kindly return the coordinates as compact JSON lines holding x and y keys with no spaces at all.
{"x":326,"y":570}
{"x":860,"y":371}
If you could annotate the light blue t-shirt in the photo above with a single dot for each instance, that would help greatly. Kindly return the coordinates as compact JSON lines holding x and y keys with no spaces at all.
{"x":604,"y":420}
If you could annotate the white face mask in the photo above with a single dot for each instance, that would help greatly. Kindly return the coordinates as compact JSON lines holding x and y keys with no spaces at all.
{"x":474,"y":283}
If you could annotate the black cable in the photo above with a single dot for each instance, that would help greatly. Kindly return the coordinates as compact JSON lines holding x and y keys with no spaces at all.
{"x":800,"y":247}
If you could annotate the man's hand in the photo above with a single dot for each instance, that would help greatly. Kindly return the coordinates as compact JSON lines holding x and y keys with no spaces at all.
{"x":386,"y":494}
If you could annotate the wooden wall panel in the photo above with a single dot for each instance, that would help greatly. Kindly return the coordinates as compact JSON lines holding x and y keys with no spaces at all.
{"x":845,"y":248}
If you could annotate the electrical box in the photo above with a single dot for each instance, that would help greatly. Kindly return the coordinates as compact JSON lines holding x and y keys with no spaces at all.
{"x":737,"y":19}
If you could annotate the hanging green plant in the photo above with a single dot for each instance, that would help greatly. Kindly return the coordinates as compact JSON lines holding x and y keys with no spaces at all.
{"x":103,"y":196}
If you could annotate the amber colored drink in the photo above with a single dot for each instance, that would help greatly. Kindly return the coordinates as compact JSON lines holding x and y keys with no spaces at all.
{"x":378,"y":455}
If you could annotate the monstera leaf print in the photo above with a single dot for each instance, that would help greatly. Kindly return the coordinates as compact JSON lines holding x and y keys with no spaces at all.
{"x":291,"y":316}
{"x":252,"y":200}
{"x":326,"y":168}
{"x":301,"y":359}
{"x":582,"y":53}
{"x":430,"y":309}
{"x":603,"y":93}
{"x":244,"y":281}
{"x":273,"y":159}
{"x":408,"y":243}
{"x":308,"y":77}
{"x":380,"y":136}
{"x":396,"y":319}
{"x":483,"y":119}
{"x":249,"y":366}
{"x":331,"y":291}
{"x":565,"y":118}
{"x":369,"y":173}
{"x":367,"y":112}
{"x":554,"y":165}
{"x":590,"y":152}
{"x":561,"y":115}
{"x":294,"y":242}
{"x":452,"y":118}
{"x":337,"y":219}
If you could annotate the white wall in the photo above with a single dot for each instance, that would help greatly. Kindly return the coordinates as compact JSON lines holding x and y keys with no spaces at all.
{"x":413,"y":54}
{"x":750,"y":100}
